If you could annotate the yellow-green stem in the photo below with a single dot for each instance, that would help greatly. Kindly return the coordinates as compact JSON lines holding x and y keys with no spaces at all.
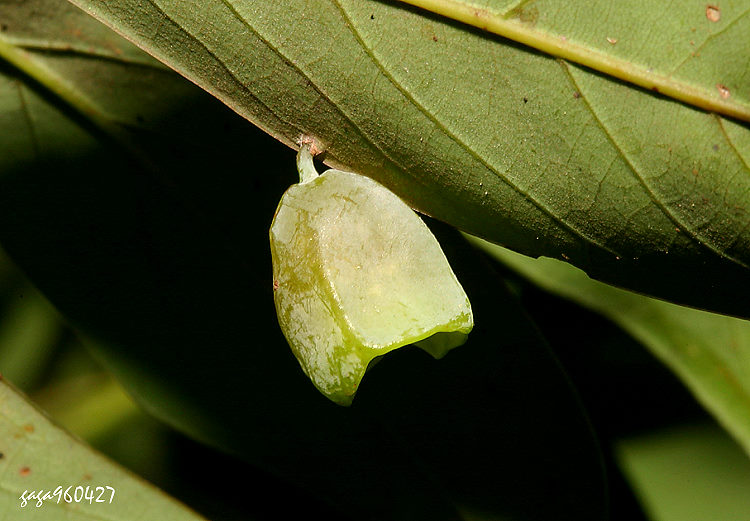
{"x":559,"y":45}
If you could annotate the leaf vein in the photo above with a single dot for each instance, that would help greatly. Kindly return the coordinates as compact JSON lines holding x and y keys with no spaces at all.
{"x":706,"y":41}
{"x":731,"y":143}
{"x":689,"y":230}
{"x":510,"y":10}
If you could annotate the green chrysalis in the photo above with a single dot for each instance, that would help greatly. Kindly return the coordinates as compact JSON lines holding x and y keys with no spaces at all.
{"x":356,"y":274}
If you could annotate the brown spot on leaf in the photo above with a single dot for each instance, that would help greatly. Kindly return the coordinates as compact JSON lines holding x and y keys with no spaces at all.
{"x":528,"y":14}
{"x":713,"y":13}
{"x":723,"y":90}
{"x":611,"y":40}
{"x":3,"y":27}
{"x":28,"y":428}
{"x":87,"y":477}
{"x":2,"y":455}
{"x":428,"y":31}
{"x":576,"y":94}
{"x":24,"y":471}
{"x":525,"y":99}
{"x":275,"y":284}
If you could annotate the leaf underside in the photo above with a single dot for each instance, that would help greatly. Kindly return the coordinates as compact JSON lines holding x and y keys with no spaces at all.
{"x":528,"y":151}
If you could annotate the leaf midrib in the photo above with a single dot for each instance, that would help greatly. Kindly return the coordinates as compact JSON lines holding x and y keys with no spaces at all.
{"x":497,"y":23}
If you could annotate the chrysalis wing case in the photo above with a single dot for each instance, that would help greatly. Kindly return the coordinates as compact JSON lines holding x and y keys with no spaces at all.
{"x":358,"y":274}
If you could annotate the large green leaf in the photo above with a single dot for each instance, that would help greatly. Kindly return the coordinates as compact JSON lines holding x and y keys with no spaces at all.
{"x":36,"y":455}
{"x":540,"y":155}
{"x":167,"y":271}
{"x":709,"y":352}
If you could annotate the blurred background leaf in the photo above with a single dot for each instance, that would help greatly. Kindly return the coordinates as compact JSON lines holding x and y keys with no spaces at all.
{"x":37,"y":455}
{"x":710,"y":352}
{"x":690,"y":473}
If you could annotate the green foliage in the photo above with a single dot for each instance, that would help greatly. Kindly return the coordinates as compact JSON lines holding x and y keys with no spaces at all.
{"x":710,"y":484}
{"x":140,"y":206}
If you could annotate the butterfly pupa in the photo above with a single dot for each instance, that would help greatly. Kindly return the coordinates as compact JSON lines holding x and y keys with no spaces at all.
{"x":357,"y":274}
